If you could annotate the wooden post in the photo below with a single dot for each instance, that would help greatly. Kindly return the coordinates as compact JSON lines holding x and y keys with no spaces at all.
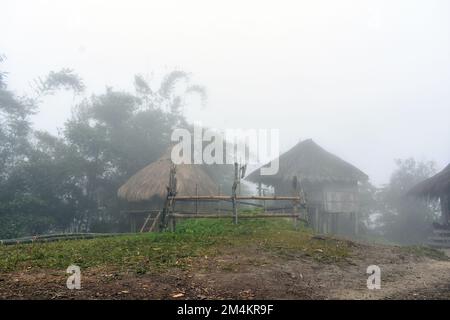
{"x":305,"y":208}
{"x":220,"y":202}
{"x":330,"y":223}
{"x":233,"y":191}
{"x":174,"y":222}
{"x":324,"y":222}
{"x":445,"y":209}
{"x":295,"y":202}
{"x":133,"y":223}
{"x":295,"y":209}
{"x":316,"y":220}
{"x":356,"y":223}
{"x":335,"y":223}
{"x":321,"y":221}
{"x":331,"y":227}
{"x":196,"y":200}
{"x":259,"y":188}
{"x":169,"y":223}
{"x":171,"y":193}
{"x":237,"y":196}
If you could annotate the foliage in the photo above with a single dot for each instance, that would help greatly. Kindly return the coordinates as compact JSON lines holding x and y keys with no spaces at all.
{"x":426,"y":252}
{"x":2,"y":73}
{"x":404,"y":219}
{"x":65,"y":79}
{"x":19,"y":225}
{"x":69,"y":182}
{"x":171,"y":93}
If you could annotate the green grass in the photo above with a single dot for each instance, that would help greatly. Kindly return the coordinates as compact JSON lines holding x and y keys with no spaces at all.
{"x":423,"y":251}
{"x":376,"y":239}
{"x":154,"y":252}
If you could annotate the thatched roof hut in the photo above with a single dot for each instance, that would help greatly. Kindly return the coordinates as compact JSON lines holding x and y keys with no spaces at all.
{"x":309,"y":162}
{"x":151,"y":182}
{"x":330,"y":185}
{"x":434,"y":187}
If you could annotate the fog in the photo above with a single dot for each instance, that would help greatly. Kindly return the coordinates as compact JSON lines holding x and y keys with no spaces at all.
{"x":367,"y":80}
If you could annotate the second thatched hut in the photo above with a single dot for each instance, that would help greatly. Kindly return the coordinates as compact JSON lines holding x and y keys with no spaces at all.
{"x":330,"y":184}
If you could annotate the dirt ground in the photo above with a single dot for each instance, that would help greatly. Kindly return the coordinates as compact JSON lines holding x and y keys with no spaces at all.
{"x":250,"y":274}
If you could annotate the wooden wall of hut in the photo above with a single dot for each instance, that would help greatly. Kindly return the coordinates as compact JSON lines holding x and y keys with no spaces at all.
{"x":445,"y":209}
{"x":322,"y":221}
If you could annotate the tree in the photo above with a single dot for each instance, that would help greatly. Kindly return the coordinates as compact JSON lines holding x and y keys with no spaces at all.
{"x":69,"y":182}
{"x":33,"y":179}
{"x":14,"y":128}
{"x":403,"y":219}
{"x":117,"y":133}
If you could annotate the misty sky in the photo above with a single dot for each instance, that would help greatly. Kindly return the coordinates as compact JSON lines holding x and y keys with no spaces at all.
{"x":367,"y":80}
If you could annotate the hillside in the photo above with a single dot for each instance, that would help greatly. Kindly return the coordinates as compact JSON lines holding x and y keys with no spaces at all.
{"x":213,"y":259}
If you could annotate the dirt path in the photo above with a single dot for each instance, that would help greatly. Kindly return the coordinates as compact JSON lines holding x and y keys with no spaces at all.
{"x":251,"y":274}
{"x":429,"y":279}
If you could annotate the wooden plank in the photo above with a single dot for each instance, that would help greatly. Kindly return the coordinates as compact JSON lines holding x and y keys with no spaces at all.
{"x":268,"y":198}
{"x":192,"y":198}
{"x":215,"y":216}
{"x":440,"y":239}
{"x":441,"y":232}
{"x":139,"y":211}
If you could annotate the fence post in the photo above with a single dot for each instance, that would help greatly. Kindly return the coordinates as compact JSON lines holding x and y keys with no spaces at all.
{"x":356,"y":224}
{"x":196,"y":200}
{"x":133,"y":223}
{"x":233,"y":191}
{"x":295,"y":202}
{"x":220,"y":202}
{"x":296,"y":215}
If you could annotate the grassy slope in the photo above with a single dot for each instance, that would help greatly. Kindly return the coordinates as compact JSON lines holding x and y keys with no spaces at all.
{"x":153,"y":252}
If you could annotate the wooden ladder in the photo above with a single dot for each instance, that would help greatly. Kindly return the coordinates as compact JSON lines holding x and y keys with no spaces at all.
{"x":151,"y":222}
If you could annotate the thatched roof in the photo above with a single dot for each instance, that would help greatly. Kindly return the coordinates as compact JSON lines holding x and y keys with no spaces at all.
{"x":152,"y":181}
{"x":308,"y":161}
{"x":433,"y":187}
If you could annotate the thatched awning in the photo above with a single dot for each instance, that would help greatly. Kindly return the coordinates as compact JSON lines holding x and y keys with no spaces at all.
{"x":152,"y":181}
{"x":433,"y":187}
{"x":308,"y":161}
